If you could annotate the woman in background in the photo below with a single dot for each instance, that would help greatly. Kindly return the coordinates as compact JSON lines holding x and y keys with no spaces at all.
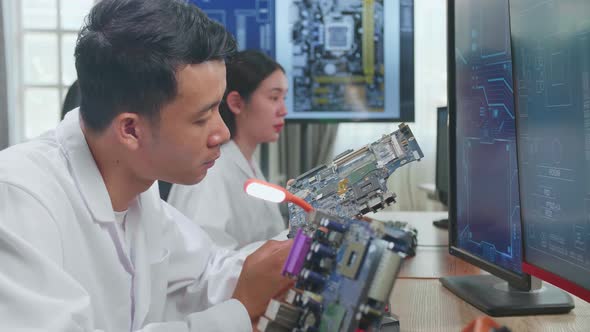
{"x":254,"y":110}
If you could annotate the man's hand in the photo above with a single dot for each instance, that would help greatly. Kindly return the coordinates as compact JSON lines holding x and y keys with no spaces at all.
{"x":290,"y":183}
{"x":261,"y":279}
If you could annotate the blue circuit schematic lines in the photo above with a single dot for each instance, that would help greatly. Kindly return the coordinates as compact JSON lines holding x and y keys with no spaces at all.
{"x":488,"y":203}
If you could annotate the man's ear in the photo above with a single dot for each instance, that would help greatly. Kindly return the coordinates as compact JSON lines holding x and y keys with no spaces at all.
{"x":129,"y":129}
{"x":235,"y":102}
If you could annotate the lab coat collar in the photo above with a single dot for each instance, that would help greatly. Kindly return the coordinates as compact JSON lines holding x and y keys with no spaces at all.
{"x":83,"y":167}
{"x":233,"y":152}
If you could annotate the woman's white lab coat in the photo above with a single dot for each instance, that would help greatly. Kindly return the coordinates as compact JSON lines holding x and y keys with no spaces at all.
{"x":222,"y":208}
{"x":65,"y":267}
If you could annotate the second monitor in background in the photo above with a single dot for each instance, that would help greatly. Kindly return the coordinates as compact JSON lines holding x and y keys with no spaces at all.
{"x":442,"y":162}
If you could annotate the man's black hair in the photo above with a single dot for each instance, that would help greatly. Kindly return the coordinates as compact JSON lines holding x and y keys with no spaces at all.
{"x":244,"y":73}
{"x":129,"y":51}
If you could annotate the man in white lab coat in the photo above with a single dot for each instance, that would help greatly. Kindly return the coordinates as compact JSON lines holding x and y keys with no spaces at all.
{"x":85,"y":242}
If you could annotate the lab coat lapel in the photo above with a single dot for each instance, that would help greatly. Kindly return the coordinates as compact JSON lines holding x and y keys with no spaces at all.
{"x":235,"y":155}
{"x":142,"y":278}
{"x":151,"y":260}
{"x":270,"y":206}
{"x":240,"y":161}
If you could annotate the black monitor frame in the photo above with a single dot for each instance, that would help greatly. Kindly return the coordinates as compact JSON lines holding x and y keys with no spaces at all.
{"x":521,"y":282}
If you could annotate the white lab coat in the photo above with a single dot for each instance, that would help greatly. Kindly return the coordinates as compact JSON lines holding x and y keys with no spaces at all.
{"x":65,"y":268}
{"x":220,"y":206}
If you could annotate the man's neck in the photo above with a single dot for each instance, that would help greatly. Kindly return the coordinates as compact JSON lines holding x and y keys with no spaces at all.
{"x":122,"y":185}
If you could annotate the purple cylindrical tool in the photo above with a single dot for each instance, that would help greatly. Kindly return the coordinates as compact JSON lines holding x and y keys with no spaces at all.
{"x":296,"y":257}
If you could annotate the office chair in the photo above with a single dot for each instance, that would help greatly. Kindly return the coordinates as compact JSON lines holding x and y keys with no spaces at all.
{"x":72,"y":99}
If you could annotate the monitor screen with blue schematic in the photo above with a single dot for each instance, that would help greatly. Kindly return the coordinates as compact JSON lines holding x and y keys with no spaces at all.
{"x":551,"y":42}
{"x":252,"y":22}
{"x":484,"y":210}
{"x":486,"y":181}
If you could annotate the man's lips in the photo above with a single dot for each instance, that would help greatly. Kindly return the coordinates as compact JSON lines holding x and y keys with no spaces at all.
{"x":211,"y":162}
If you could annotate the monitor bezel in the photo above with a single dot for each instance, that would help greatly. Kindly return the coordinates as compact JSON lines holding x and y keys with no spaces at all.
{"x":519,"y":281}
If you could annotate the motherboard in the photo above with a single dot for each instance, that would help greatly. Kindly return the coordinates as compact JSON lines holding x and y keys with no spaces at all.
{"x":344,"y":271}
{"x":355,"y":182}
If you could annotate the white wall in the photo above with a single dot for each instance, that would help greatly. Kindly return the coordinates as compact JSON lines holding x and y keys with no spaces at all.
{"x":430,"y":92}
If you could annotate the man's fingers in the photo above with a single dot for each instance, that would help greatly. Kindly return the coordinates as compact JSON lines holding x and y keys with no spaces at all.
{"x":286,"y":284}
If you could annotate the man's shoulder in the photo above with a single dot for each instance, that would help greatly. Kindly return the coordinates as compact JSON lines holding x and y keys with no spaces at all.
{"x":35,"y":166}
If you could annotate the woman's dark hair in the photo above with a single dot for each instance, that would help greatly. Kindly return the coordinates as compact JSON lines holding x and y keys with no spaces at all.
{"x":244,"y":73}
{"x":128,"y":52}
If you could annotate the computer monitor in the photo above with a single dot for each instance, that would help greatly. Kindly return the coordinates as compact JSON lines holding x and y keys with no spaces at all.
{"x":551,"y":42}
{"x":484,"y":208}
{"x":442,"y":155}
{"x":442,"y":162}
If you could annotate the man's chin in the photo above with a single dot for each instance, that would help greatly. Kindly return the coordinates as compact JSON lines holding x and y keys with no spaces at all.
{"x":198,"y":178}
{"x":190,"y":180}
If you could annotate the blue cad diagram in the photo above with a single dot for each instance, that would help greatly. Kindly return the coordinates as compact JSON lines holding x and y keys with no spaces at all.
{"x":252,"y":22}
{"x":552,"y":67}
{"x":488,"y":210}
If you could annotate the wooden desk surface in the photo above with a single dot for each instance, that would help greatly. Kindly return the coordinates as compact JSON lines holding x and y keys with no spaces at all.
{"x":423,"y":304}
{"x":432,"y":259}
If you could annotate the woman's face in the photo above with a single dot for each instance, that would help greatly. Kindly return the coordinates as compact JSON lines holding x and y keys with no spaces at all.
{"x":264,"y":115}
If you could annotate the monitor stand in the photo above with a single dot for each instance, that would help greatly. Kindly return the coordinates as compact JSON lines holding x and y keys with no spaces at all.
{"x":441,"y":223}
{"x":495,"y":297}
{"x":389,"y":323}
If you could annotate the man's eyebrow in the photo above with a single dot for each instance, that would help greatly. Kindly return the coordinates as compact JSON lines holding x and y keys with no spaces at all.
{"x":208,"y":107}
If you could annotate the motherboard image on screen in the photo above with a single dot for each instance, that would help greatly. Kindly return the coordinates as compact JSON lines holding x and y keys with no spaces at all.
{"x":551,"y":41}
{"x":344,"y":58}
{"x":338,"y":55}
{"x":252,"y":22}
{"x":488,"y":208}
